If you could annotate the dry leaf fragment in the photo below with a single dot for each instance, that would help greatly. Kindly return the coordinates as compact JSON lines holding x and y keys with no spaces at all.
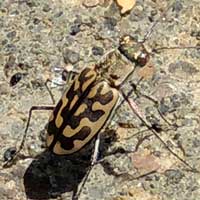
{"x":145,"y":162}
{"x":126,"y":5}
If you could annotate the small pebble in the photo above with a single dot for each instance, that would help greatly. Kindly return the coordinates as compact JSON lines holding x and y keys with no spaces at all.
{"x":174,"y":176}
{"x":10,"y":48}
{"x":70,"y":56}
{"x":74,"y":29}
{"x":97,"y":51}
{"x":58,"y":14}
{"x":4,"y":42}
{"x":11,"y":35}
{"x":177,"y":6}
{"x":110,"y":23}
{"x":196,"y":143}
{"x":46,"y":8}
{"x":89,"y":3}
{"x":36,"y":21}
{"x":9,"y":153}
{"x":15,"y":79}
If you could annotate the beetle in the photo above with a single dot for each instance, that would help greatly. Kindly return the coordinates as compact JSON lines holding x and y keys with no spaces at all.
{"x":88,"y":103}
{"x":84,"y":107}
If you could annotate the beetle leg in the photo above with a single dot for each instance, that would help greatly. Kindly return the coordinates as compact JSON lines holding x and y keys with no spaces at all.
{"x":13,"y":155}
{"x":94,"y":161}
{"x":154,"y":131}
{"x":49,"y":90}
{"x":156,"y":103}
{"x":67,"y":77}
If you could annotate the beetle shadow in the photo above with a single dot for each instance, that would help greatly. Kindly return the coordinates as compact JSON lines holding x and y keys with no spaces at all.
{"x":49,"y":175}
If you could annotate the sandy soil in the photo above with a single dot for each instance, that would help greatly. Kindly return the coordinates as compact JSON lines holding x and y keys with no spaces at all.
{"x":38,"y":37}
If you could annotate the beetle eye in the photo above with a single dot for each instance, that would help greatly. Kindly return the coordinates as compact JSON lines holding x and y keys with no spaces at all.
{"x":143,"y":59}
{"x":65,"y":75}
{"x":68,"y":75}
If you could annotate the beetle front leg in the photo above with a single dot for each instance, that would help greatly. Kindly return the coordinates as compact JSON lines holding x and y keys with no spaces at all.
{"x":49,"y":90}
{"x":154,"y":131}
{"x":67,"y":78}
{"x":11,"y":153}
{"x":152,"y":99}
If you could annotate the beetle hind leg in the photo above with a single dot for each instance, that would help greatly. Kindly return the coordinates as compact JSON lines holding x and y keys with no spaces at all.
{"x":11,"y":153}
{"x":94,"y":161}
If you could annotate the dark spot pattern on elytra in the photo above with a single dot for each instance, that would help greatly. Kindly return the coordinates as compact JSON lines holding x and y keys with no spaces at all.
{"x":92,"y":115}
{"x":105,"y":98}
{"x":69,"y":119}
{"x":66,"y":112}
{"x":52,"y":129}
{"x":67,"y":143}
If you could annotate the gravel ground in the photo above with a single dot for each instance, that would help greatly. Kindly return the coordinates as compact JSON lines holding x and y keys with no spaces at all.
{"x":38,"y":37}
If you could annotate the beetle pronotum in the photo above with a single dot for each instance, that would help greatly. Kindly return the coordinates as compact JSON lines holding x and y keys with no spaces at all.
{"x":88,"y":103}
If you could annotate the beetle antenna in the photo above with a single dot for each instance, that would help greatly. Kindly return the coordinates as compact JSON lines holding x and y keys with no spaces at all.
{"x":149,"y":33}
{"x":156,"y":50}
